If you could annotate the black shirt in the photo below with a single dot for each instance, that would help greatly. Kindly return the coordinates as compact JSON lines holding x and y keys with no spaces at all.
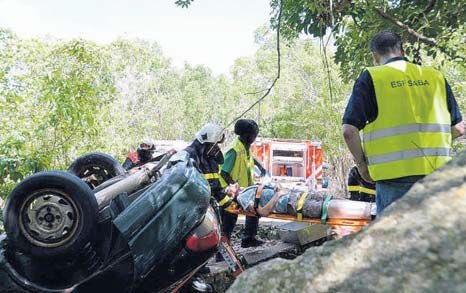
{"x":362,"y":105}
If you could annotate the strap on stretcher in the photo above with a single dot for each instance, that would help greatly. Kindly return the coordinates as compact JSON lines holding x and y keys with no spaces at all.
{"x":258,"y":198}
{"x":332,"y":222}
{"x":299,"y":210}
{"x":303,"y":197}
{"x":325,"y":204}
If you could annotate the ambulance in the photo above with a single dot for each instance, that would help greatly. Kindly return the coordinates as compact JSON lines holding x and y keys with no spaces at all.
{"x":291,"y":162}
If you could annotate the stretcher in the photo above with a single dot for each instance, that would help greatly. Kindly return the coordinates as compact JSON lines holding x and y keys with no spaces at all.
{"x":340,"y":226}
{"x":350,"y":225}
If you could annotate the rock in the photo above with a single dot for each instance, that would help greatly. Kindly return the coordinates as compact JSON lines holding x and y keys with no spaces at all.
{"x":219,"y":276}
{"x":417,"y":245}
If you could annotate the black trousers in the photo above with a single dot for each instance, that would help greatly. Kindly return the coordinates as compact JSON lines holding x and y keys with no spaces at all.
{"x":362,"y":196}
{"x":229,"y":222}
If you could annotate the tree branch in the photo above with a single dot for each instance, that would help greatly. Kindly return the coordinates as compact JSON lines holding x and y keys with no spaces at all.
{"x":255,"y":93}
{"x":418,"y":36}
{"x":426,"y":10}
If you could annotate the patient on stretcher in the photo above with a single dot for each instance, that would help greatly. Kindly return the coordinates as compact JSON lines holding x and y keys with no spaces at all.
{"x":292,"y":202}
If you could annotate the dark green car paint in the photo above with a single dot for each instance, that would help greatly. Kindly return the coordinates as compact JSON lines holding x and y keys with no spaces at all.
{"x":164,"y":213}
{"x":153,"y":225}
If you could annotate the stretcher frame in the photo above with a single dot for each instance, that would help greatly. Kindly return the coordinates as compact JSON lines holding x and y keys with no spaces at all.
{"x":352,"y":225}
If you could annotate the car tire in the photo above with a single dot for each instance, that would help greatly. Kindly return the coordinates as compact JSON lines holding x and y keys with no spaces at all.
{"x":50,"y":214}
{"x":96,"y":168}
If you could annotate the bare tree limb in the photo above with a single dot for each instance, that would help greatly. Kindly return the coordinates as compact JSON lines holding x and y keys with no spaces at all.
{"x":255,"y":93}
{"x":418,"y":36}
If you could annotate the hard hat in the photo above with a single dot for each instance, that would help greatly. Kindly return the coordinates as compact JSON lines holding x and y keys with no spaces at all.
{"x":210,"y":133}
{"x":147,"y":144}
{"x":246,"y":127}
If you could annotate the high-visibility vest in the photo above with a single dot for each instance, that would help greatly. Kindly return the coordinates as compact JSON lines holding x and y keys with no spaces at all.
{"x":412,"y":132}
{"x":243,"y":168}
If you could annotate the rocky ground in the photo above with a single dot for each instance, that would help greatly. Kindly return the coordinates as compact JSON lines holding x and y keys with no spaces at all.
{"x":219,"y":276}
{"x":418,"y":245}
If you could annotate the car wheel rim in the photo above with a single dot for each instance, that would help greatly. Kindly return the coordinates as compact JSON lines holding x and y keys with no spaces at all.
{"x":49,"y":218}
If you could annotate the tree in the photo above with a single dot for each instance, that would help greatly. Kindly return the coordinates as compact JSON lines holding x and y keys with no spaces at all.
{"x":436,"y":27}
{"x":49,"y":96}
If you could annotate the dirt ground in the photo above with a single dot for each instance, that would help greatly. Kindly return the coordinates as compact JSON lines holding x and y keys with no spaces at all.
{"x":219,"y":276}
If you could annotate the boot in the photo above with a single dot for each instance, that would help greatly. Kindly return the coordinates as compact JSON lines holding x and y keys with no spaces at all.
{"x":251,"y":242}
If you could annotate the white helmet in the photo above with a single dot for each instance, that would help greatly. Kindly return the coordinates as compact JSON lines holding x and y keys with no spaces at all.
{"x":147,"y":144}
{"x":210,"y":133}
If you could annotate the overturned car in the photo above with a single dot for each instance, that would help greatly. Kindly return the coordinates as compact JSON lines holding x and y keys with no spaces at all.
{"x":100,"y":229}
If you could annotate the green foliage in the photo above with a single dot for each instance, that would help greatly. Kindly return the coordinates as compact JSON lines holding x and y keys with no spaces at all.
{"x":155,"y":100}
{"x":59,"y":100}
{"x":299,"y":106}
{"x":436,"y":27}
{"x":49,"y":93}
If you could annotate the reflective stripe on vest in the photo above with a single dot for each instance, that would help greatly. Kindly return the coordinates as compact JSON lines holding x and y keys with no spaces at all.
{"x":411,"y":134}
{"x":222,"y":181}
{"x":445,"y":128}
{"x":208,"y":176}
{"x":357,"y":188}
{"x":366,"y":190}
{"x":353,"y":188}
{"x":402,"y":155}
{"x":224,"y":200}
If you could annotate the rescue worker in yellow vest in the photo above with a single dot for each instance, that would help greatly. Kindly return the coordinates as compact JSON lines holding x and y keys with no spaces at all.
{"x":400,"y":121}
{"x":359,"y":189}
{"x":238,"y":169}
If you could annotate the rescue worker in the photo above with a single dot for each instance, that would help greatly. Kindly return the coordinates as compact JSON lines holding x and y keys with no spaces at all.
{"x":359,"y":189}
{"x":407,"y":116}
{"x":205,"y":152}
{"x":238,"y":170}
{"x":142,"y":155}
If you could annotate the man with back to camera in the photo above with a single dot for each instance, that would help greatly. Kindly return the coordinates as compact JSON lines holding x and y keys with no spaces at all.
{"x":407,"y":116}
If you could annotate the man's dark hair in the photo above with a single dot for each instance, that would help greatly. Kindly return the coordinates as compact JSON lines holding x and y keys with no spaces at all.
{"x":386,"y":42}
